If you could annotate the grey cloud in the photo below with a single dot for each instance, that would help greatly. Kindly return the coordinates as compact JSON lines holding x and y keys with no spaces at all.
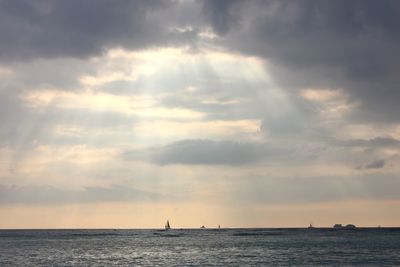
{"x":373,"y":143}
{"x":324,"y":44}
{"x":81,"y":29}
{"x":207,"y":152}
{"x":223,"y":14}
{"x":376,"y":164}
{"x":50,"y":194}
{"x":283,"y":125}
{"x":297,"y":148}
{"x":314,"y":32}
{"x":294,"y":119}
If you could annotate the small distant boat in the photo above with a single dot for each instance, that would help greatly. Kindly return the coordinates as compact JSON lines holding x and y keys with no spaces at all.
{"x":339,"y":226}
{"x":202,"y":227}
{"x":350,"y":226}
{"x":167,"y":226}
{"x":311,"y":226}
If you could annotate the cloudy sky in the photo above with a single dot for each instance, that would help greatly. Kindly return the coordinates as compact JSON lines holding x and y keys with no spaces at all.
{"x":238,"y":113}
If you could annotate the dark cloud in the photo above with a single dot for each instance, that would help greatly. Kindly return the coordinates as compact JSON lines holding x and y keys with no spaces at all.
{"x":81,"y":29}
{"x":50,"y":194}
{"x":223,"y":14}
{"x":316,"y":33}
{"x":324,"y":44}
{"x":207,"y":152}
{"x":376,"y":164}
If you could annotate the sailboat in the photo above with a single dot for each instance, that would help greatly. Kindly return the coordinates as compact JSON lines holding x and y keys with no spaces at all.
{"x":167,"y":226}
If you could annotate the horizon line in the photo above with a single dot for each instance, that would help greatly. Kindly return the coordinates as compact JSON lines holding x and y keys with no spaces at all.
{"x":198,"y":228}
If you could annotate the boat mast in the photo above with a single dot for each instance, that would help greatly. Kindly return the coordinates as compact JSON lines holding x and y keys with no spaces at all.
{"x":167,"y":226}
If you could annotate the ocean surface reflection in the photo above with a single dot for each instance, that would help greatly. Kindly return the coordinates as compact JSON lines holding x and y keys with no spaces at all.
{"x":201,"y":247}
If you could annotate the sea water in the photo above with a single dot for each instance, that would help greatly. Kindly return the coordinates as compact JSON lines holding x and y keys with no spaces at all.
{"x":201,"y":247}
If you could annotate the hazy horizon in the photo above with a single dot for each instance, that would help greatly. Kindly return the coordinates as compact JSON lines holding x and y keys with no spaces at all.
{"x":123,"y":114}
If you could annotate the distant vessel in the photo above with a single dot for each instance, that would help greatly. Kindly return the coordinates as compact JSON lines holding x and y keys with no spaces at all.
{"x":350,"y":226}
{"x":202,"y":227}
{"x":339,"y":226}
{"x":311,"y":226}
{"x":167,"y":226}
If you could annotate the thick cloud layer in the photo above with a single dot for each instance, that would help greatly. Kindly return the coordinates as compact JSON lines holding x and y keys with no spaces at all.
{"x":321,"y":44}
{"x":44,"y":28}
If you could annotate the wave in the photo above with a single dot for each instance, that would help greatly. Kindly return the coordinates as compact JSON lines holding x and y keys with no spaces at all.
{"x":257,"y":233}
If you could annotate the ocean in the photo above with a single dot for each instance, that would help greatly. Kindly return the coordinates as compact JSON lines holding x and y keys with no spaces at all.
{"x":201,"y":247}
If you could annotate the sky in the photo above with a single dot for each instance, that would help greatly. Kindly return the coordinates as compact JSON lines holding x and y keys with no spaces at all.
{"x":123,"y":114}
